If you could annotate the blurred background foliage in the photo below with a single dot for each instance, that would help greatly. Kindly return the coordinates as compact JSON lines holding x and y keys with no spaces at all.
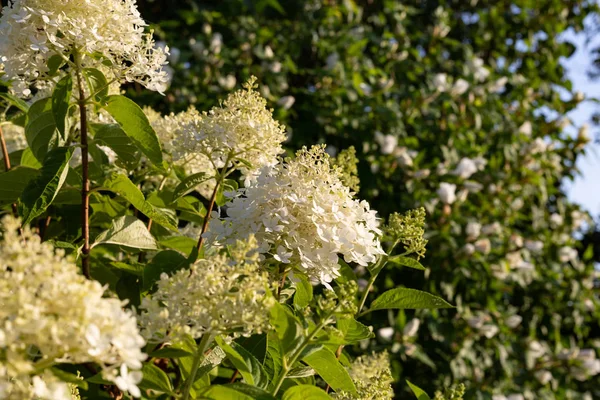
{"x":417,"y":87}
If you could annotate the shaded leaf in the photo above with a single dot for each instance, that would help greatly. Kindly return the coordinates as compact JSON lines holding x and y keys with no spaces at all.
{"x":154,"y":378}
{"x":60,"y":103}
{"x":135,"y":124}
{"x":41,"y":132}
{"x":41,"y":191}
{"x":14,"y":181}
{"x":121,"y":185}
{"x":112,"y":136}
{"x":189,"y":183}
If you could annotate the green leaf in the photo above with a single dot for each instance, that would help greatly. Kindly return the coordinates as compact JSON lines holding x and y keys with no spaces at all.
{"x":170,"y":352}
{"x":330,"y":369}
{"x":249,"y":367}
{"x":54,"y":63}
{"x":29,"y":160}
{"x":256,"y":393}
{"x":218,"y":392}
{"x":41,"y":132}
{"x":188,"y":184}
{"x":60,"y":103}
{"x":210,"y":361}
{"x":69,"y":377}
{"x":287,"y":327}
{"x":127,"y":231}
{"x":121,"y":185}
{"x":132,"y":268}
{"x":256,"y":345}
{"x":15,"y":101}
{"x":14,"y":181}
{"x":128,"y":288}
{"x":404,"y":298}
{"x":155,"y":379}
{"x":353,"y":330}
{"x":182,"y":244}
{"x":135,"y":124}
{"x":229,"y":185}
{"x":112,"y":136}
{"x":304,"y":292}
{"x":41,"y":191}
{"x":406,"y":262}
{"x":420,"y":393}
{"x":167,"y":261}
{"x":305,"y":392}
{"x":96,"y":83}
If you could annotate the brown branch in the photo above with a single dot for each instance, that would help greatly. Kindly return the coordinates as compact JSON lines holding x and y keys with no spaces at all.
{"x":85,"y":185}
{"x":211,"y":205}
{"x":7,"y":166}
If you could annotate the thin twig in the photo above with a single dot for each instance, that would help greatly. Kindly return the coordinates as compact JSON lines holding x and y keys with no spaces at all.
{"x":211,"y":205}
{"x":85,"y":185}
{"x":7,"y":166}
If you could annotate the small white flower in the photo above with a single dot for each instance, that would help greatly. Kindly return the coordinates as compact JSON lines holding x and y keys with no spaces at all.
{"x":566,"y":254}
{"x":460,"y":87}
{"x":447,"y":192}
{"x":535,"y":246}
{"x":513,"y":321}
{"x":387,"y":143}
{"x":556,"y":220}
{"x":386,"y":334}
{"x":411,"y":328}
{"x":473,"y":230}
{"x":440,"y":82}
{"x":483,"y":246}
{"x":526,"y":128}
{"x":489,"y":330}
{"x":465,"y":168}
{"x":283,"y":255}
{"x":128,"y":381}
{"x":286,"y":102}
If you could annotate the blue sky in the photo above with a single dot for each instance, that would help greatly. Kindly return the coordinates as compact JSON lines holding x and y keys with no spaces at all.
{"x":585,"y":190}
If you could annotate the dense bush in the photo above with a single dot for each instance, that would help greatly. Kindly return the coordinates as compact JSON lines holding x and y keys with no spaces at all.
{"x":456,"y":106}
{"x":178,"y":256}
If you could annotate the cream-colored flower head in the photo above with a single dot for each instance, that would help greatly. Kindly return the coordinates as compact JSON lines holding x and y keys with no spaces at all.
{"x":223,"y":293}
{"x":44,"y":386}
{"x":241,"y":132}
{"x":48,"y":306}
{"x":302,"y":214}
{"x":171,"y":127}
{"x":32,"y":31}
{"x":372,"y":378}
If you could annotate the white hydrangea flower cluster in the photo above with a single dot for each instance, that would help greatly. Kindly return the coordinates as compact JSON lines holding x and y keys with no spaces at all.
{"x":48,"y":306}
{"x":372,"y":377}
{"x":303,"y":215}
{"x":168,"y":129}
{"x":241,"y":133}
{"x":26,"y":387}
{"x":221,"y":294}
{"x":32,"y":31}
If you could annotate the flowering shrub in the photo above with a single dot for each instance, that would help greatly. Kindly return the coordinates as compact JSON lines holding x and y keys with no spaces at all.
{"x":459,"y":107}
{"x":181,"y":256}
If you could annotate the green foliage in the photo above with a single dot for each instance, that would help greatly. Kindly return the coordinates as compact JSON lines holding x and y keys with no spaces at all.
{"x":41,"y":191}
{"x":355,"y":69}
{"x":134,"y":123}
